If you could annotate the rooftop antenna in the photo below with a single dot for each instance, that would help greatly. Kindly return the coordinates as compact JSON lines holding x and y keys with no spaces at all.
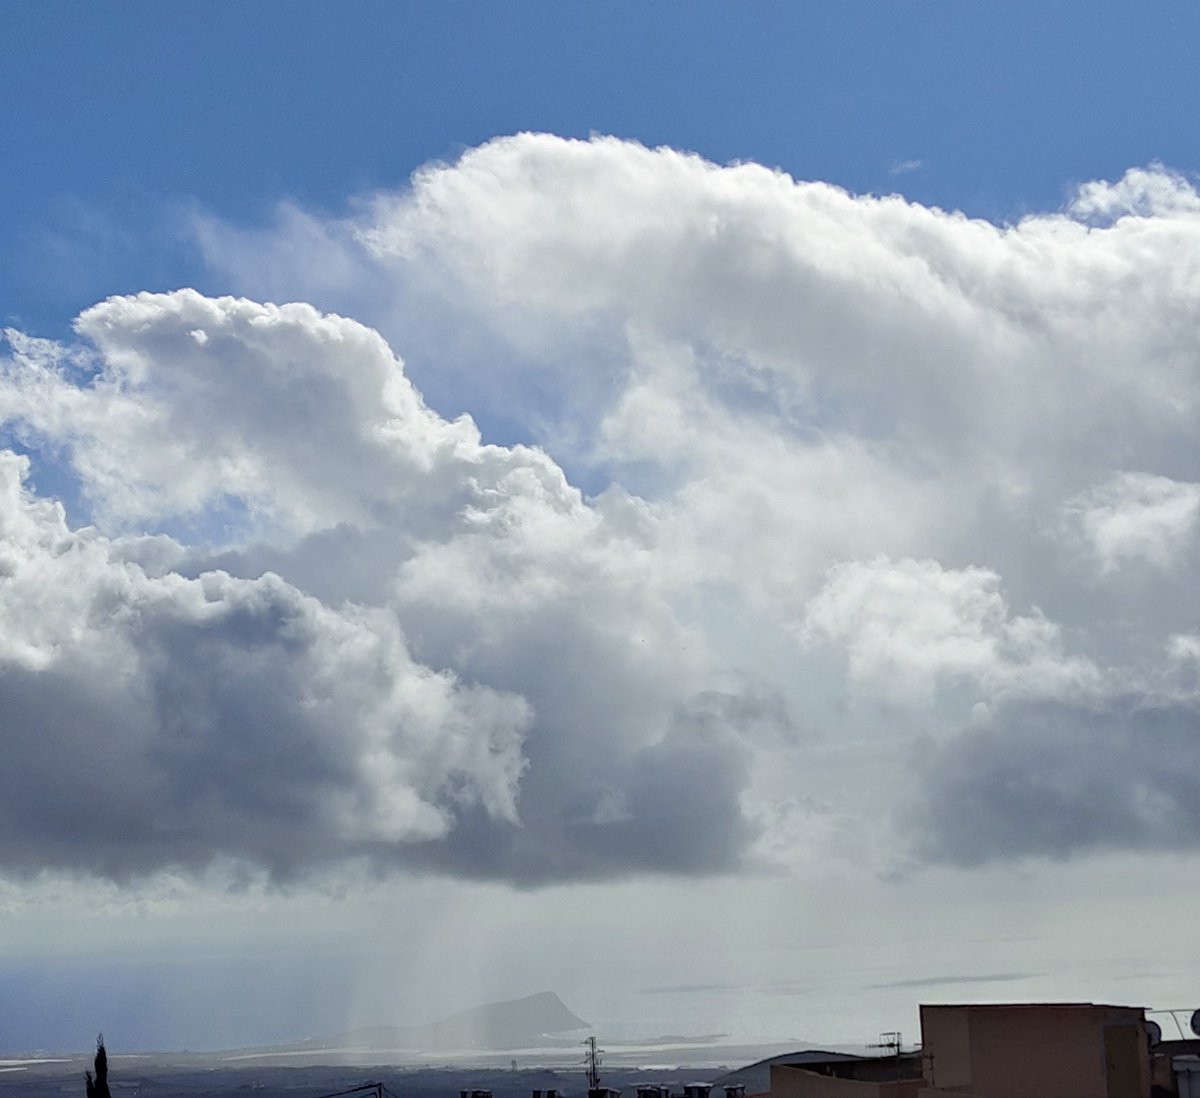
{"x":593,"y":1063}
{"x":891,"y":1040}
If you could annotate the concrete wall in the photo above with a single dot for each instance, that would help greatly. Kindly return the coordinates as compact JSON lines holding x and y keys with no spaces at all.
{"x":946,"y":1046}
{"x":795,"y":1082}
{"x":1036,"y":1050}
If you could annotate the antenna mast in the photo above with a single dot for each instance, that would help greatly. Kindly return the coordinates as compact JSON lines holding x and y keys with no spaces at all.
{"x":891,"y":1040}
{"x":593,"y":1063}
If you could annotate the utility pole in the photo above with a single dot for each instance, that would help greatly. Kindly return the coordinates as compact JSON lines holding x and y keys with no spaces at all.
{"x":593,"y":1063}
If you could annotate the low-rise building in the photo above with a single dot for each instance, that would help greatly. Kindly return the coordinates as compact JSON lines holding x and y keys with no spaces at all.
{"x":1003,"y":1050}
{"x":1035,"y":1050}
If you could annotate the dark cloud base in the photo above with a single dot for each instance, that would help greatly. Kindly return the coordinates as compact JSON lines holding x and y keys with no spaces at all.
{"x":1050,"y":779}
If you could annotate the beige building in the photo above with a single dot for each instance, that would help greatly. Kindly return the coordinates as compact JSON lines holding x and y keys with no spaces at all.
{"x":1009,"y":1050}
{"x":881,"y":1077}
{"x":1035,"y":1050}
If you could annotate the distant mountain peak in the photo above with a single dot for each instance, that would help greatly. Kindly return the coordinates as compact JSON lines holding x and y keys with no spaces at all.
{"x":512,"y":1023}
{"x":541,"y":1004}
{"x":508,"y":1024}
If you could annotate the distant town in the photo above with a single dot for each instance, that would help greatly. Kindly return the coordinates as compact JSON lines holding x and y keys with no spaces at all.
{"x":964,"y":1050}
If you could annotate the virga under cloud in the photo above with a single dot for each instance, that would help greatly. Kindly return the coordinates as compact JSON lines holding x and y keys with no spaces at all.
{"x":876,"y":472}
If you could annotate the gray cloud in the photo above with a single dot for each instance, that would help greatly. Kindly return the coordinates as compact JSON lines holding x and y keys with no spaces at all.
{"x":950,"y":981}
{"x":685,"y":989}
{"x":1052,"y":779}
{"x":173,"y":722}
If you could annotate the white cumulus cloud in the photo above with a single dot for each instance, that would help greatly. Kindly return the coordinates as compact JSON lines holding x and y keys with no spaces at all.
{"x":406,"y":646}
{"x":744,"y":406}
{"x":1134,"y":517}
{"x":908,"y":626}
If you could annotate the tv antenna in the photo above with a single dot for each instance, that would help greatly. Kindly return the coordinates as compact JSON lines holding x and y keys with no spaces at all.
{"x":894,"y":1041}
{"x":891,"y":1040}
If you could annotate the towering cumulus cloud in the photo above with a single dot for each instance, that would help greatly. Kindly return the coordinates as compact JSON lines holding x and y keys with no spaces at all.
{"x":864,"y":480}
{"x":409,"y":647}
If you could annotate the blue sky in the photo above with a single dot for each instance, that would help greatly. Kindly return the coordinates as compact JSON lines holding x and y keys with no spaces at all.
{"x":855,"y":569}
{"x":114,"y":118}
